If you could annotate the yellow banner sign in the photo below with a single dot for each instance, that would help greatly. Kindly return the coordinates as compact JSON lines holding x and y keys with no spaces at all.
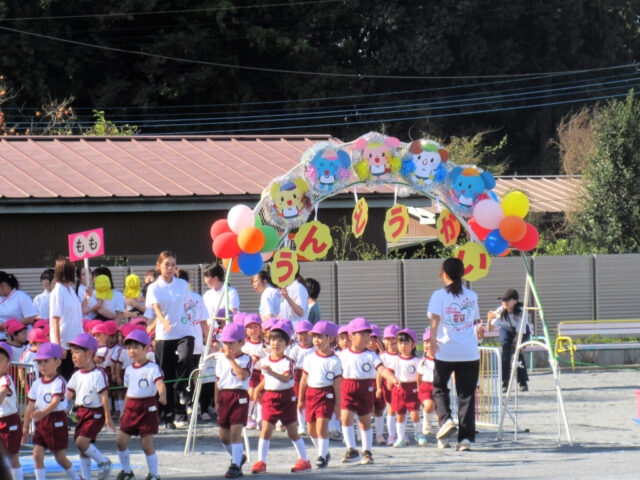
{"x":448,"y":228}
{"x":359,"y":218}
{"x":476,"y":259}
{"x":396,"y":223}
{"x":313,"y":240}
{"x":284,"y":267}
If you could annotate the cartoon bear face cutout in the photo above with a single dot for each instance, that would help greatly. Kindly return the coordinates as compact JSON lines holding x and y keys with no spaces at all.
{"x":329,"y":166}
{"x":289,"y":198}
{"x":424,"y":165}
{"x":376,"y":157}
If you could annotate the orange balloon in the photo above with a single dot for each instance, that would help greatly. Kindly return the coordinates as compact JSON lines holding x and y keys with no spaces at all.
{"x":251,"y":240}
{"x":513,"y":228}
{"x":505,"y":253}
{"x":235,"y":268}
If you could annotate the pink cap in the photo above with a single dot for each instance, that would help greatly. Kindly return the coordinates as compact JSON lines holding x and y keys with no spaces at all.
{"x":304,"y":326}
{"x":12,"y":326}
{"x":391,"y":331}
{"x":126,"y":329}
{"x":233,"y":333}
{"x":375,"y":331}
{"x":409,"y":332}
{"x":85,"y":340}
{"x":138,"y":321}
{"x":251,"y":318}
{"x":324,"y":327}
{"x":39,"y":335}
{"x":138,"y":336}
{"x":426,"y":335}
{"x":49,"y":350}
{"x":100,"y":327}
{"x":43,"y":323}
{"x":358,"y":325}
{"x":283,"y":326}
{"x":343,"y":329}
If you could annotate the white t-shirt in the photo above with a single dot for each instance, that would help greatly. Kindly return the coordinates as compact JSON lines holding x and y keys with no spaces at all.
{"x":64,"y":303}
{"x":208,"y":374}
{"x":196,"y":313}
{"x":42,"y":392}
{"x":141,"y":381}
{"x":17,"y":352}
{"x":510,"y":321}
{"x":282,"y":366}
{"x":425,"y":368}
{"x":388,"y":358}
{"x":16,"y":305}
{"x":212,"y":297}
{"x":28,"y":357}
{"x":457,"y":340}
{"x":321,"y":370}
{"x":172,"y":298}
{"x":360,"y":365}
{"x":87,"y":385}
{"x":9,"y":405}
{"x":405,"y":369}
{"x":257,"y":351}
{"x":227,"y":379}
{"x":300,"y":296}
{"x":41,"y":303}
{"x":270,"y":302}
{"x":104,"y":353}
{"x":298,"y":354}
{"x":119,"y":355}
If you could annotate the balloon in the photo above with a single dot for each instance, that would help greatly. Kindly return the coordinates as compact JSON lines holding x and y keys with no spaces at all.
{"x":219,"y":227}
{"x":505,"y":253}
{"x":266,"y":256}
{"x":234,"y":267}
{"x":240,"y":217}
{"x":226,"y":245}
{"x":480,"y":232}
{"x":249,"y":263}
{"x":271,"y":238}
{"x":515,"y":203}
{"x":494,"y":243}
{"x":529,"y":241}
{"x":513,"y":228}
{"x":258,"y":222}
{"x":251,"y":240}
{"x":488,"y":214}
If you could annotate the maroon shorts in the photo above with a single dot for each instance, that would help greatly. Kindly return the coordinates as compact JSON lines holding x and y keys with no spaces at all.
{"x":356,"y":396}
{"x":279,"y":405}
{"x":90,"y":422}
{"x":11,"y":433}
{"x":52,"y":432}
{"x":233,"y":408}
{"x":320,"y":403}
{"x":405,"y":397}
{"x":140,"y":417}
{"x":378,"y":403}
{"x":386,"y":393}
{"x":256,"y":378}
{"x":297,"y":376}
{"x":425,"y":392}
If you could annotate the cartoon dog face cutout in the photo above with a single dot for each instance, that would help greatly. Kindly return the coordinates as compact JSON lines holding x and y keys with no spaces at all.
{"x":424,"y":163}
{"x":328,"y":168}
{"x":377,"y":157}
{"x":289,"y":198}
{"x":467,"y":184}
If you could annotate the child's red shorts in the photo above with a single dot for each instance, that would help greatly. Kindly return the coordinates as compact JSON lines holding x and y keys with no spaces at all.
{"x":52,"y":432}
{"x":297,"y":376}
{"x":319,"y":403}
{"x":279,"y":405}
{"x":11,"y":433}
{"x":425,"y":392}
{"x":405,"y":397}
{"x":255,"y":379}
{"x":90,"y":422}
{"x":140,"y":417}
{"x":356,"y":395}
{"x":233,"y":408}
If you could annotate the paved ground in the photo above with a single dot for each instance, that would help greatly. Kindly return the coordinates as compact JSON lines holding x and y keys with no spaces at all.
{"x":600,"y":405}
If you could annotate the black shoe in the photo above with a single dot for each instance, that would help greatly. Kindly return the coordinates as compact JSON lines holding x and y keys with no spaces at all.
{"x":184,"y":398}
{"x":170,"y":426}
{"x":524,"y":388}
{"x":367,"y":457}
{"x":322,"y":462}
{"x":351,"y":455}
{"x":233,"y":472}
{"x":244,"y":460}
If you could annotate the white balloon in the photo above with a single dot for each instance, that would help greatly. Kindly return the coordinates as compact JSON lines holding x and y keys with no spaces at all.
{"x":239,"y":218}
{"x":488,"y":213}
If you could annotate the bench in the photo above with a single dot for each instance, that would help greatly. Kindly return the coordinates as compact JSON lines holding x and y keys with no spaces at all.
{"x":567,"y":331}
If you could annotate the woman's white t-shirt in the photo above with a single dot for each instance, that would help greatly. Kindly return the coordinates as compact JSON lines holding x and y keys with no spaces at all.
{"x":171,"y":298}
{"x":270,"y":302}
{"x":64,"y":303}
{"x":41,"y":303}
{"x":457,"y":340}
{"x":212,"y":297}
{"x":299,"y":295}
{"x":15,"y":305}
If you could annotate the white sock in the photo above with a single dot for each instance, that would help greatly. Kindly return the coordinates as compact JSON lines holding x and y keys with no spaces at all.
{"x":96,"y":454}
{"x":41,"y":474}
{"x":401,"y":428}
{"x":314,"y":441}
{"x":391,"y":424}
{"x":152,"y":464}
{"x":334,"y":424}
{"x":85,"y":468}
{"x":367,"y":439}
{"x":227,"y":447}
{"x":418,"y":428}
{"x":259,"y":413}
{"x":433,"y":419}
{"x":236,"y":453}
{"x":379,"y":424}
{"x":252,"y":410}
{"x":323,"y":447}
{"x":301,"y":449}
{"x":71,"y":474}
{"x":125,"y":460}
{"x":263,"y":449}
{"x":349,"y":435}
{"x":120,"y":405}
{"x":300,"y":420}
{"x":17,"y":473}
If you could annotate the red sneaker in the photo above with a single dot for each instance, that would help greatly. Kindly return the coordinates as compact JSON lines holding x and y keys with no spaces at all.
{"x":259,"y":467}
{"x":301,"y":466}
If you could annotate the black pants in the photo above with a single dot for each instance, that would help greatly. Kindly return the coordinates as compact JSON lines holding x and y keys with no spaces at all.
{"x":66,"y":367}
{"x":508,"y":338}
{"x":466,"y":375}
{"x":175,"y":358}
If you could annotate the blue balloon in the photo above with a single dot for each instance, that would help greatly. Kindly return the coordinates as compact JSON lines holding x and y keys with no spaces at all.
{"x":249,"y":263}
{"x":494,"y":243}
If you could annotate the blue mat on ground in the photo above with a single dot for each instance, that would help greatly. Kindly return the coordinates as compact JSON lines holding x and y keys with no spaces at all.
{"x":52,"y":466}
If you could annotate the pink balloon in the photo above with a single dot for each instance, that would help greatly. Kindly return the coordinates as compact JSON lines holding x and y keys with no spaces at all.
{"x":488,"y":213}
{"x":240,"y":217}
{"x":266,"y":256}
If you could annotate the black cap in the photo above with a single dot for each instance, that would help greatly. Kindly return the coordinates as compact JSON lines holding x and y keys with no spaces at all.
{"x":510,"y":294}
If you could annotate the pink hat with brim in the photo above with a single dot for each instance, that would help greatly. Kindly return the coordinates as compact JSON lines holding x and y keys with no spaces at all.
{"x":138,"y":336}
{"x":39,"y":335}
{"x":324,"y":327}
{"x":426,"y":335}
{"x":101,"y":327}
{"x":13,"y":326}
{"x":138,"y":321}
{"x":282,"y":326}
{"x":233,"y":333}
{"x":304,"y":326}
{"x":126,"y":329}
{"x":49,"y":350}
{"x":391,"y":331}
{"x":409,"y":332}
{"x":358,"y":325}
{"x":44,"y":323}
{"x":112,"y":327}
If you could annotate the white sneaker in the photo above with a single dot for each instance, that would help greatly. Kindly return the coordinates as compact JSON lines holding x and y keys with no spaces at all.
{"x":446,"y":429}
{"x":104,"y":469}
{"x":443,"y":444}
{"x":464,"y":445}
{"x":181,"y":423}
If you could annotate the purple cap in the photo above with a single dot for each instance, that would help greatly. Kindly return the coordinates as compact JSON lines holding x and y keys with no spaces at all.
{"x":49,"y":350}
{"x":304,"y":326}
{"x":358,"y":325}
{"x":268,"y":323}
{"x":324,"y":327}
{"x":139,"y":336}
{"x":409,"y":332}
{"x":238,"y":318}
{"x":391,"y":331}
{"x":7,"y":348}
{"x":222,"y":313}
{"x":426,"y":335}
{"x":343,"y":329}
{"x":375,"y":331}
{"x":85,"y":340}
{"x":283,"y":326}
{"x":233,"y":333}
{"x":250,"y":318}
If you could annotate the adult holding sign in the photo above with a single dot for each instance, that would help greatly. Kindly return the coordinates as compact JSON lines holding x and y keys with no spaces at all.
{"x":174,"y":336}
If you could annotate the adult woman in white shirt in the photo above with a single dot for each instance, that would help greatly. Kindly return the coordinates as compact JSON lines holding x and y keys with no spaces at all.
{"x":455,"y":327}
{"x":270,"y":296}
{"x":14,"y":303}
{"x":214,"y":279}
{"x":41,"y":302}
{"x":294,"y":305}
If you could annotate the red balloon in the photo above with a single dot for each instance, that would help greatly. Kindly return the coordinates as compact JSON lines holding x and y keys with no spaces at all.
{"x":226,"y":245}
{"x":529,"y":241}
{"x":219,"y":227}
{"x":480,"y":232}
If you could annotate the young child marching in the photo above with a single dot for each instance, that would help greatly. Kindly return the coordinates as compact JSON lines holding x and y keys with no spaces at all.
{"x":279,"y":400}
{"x":47,"y":406}
{"x":425,"y":388}
{"x":89,"y":386}
{"x":233,"y":370}
{"x":10,"y":431}
{"x":143,"y":380}
{"x":297,"y":353}
{"x":359,"y":369}
{"x":256,"y":349}
{"x":382,"y":389}
{"x":320,"y":388}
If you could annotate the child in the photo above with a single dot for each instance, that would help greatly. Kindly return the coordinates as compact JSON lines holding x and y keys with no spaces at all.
{"x":17,"y":337}
{"x":382,"y":389}
{"x":405,"y":395}
{"x":359,"y":367}
{"x":10,"y":433}
{"x":343,"y":341}
{"x":297,"y":353}
{"x":233,"y":369}
{"x":255,"y":348}
{"x":47,"y":406}
{"x":143,"y":380}
{"x":375,"y":345}
{"x":279,"y":400}
{"x":320,"y":388}
{"x":89,"y":386}
{"x":37,"y":336}
{"x":425,"y":386}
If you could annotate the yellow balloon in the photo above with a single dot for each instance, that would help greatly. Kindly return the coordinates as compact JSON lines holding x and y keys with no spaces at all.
{"x":515,"y":203}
